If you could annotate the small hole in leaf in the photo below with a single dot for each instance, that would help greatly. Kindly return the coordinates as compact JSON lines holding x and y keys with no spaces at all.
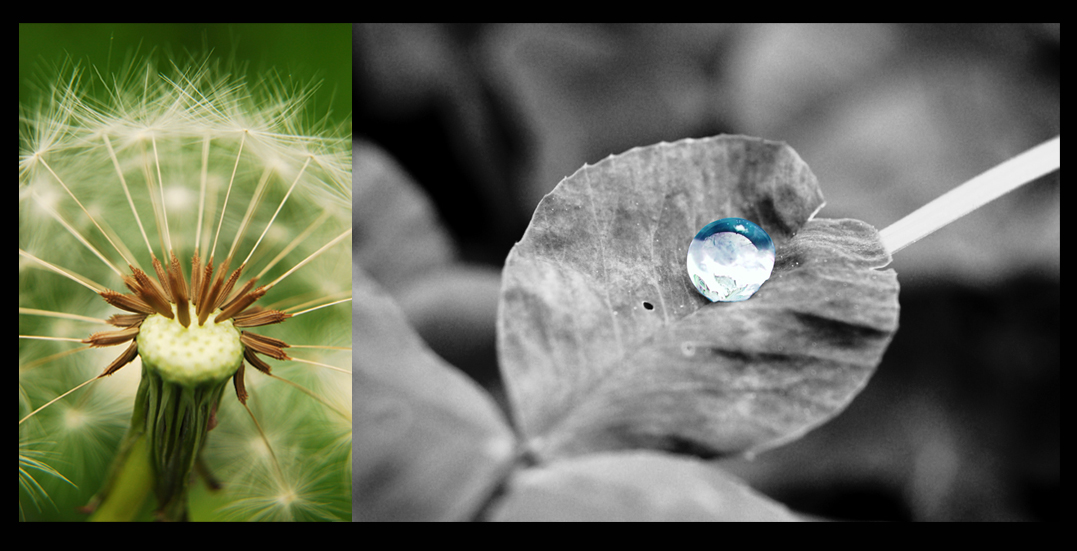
{"x":647,"y":305}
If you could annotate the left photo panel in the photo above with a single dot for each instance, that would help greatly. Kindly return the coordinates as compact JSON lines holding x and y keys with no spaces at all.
{"x":185,"y":272}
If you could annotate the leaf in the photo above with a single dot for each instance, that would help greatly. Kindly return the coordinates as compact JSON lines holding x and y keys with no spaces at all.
{"x":605,"y":344}
{"x":399,"y":241}
{"x":429,"y":443}
{"x":633,"y":486}
{"x":397,"y":234}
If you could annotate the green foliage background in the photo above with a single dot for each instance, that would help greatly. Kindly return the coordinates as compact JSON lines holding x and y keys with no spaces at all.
{"x":318,"y":51}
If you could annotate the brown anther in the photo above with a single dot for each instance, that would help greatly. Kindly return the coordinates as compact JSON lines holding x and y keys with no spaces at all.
{"x":258,"y":318}
{"x":111,"y":338}
{"x":255,"y":361}
{"x":246,"y":288}
{"x":196,"y":278}
{"x":179,"y":292}
{"x":127,"y":357}
{"x":240,"y":304}
{"x":241,"y":389}
{"x":211,"y":423}
{"x":204,"y":301}
{"x":132,"y":283}
{"x":215,"y":293}
{"x":162,"y":276}
{"x":131,"y":303}
{"x":227,"y":289}
{"x":126,"y":320}
{"x":151,"y":296}
{"x":264,"y":345}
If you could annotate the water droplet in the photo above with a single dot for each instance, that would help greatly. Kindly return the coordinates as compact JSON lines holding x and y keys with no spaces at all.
{"x":729,"y":259}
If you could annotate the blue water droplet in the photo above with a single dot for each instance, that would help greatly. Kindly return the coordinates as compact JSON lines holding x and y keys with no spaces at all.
{"x":729,"y":259}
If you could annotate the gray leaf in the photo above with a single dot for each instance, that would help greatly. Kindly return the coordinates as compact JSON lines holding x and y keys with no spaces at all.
{"x":605,"y":344}
{"x":633,"y":486}
{"x":429,"y":443}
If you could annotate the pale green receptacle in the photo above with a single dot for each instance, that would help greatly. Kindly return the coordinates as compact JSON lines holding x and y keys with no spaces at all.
{"x":190,"y":356}
{"x":185,"y":371}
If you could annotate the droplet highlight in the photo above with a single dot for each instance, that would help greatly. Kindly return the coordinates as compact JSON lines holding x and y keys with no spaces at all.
{"x":730,"y":259}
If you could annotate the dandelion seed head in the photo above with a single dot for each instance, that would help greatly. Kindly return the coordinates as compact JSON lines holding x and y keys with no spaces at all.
{"x":212,"y":138}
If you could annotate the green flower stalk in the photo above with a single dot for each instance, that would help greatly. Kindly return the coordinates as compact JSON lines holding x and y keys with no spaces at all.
{"x":185,"y":370}
{"x":118,"y":186}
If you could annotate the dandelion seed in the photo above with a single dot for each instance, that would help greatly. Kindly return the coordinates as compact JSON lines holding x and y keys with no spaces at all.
{"x":145,"y":212}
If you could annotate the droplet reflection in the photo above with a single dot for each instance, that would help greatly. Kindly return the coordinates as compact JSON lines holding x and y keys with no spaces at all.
{"x":729,"y":259}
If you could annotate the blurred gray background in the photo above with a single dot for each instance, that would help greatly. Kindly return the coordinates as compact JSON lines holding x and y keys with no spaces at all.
{"x":461,"y":129}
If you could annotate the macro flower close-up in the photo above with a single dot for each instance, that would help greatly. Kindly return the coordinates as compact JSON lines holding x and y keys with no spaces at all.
{"x":184,"y":290}
{"x":592,"y":272}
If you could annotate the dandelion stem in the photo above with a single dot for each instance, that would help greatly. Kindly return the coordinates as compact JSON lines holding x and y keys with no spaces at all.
{"x":130,"y":488}
{"x":973,"y":194}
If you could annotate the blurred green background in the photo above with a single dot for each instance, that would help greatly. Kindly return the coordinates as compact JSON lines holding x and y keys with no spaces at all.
{"x":304,"y":52}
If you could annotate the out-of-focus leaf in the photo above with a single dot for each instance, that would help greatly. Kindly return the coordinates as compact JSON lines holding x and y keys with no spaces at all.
{"x":401,"y":243}
{"x":397,"y":234}
{"x":605,"y":344}
{"x":455,"y":311}
{"x":633,"y":486}
{"x":581,"y":91}
{"x":429,"y":444}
